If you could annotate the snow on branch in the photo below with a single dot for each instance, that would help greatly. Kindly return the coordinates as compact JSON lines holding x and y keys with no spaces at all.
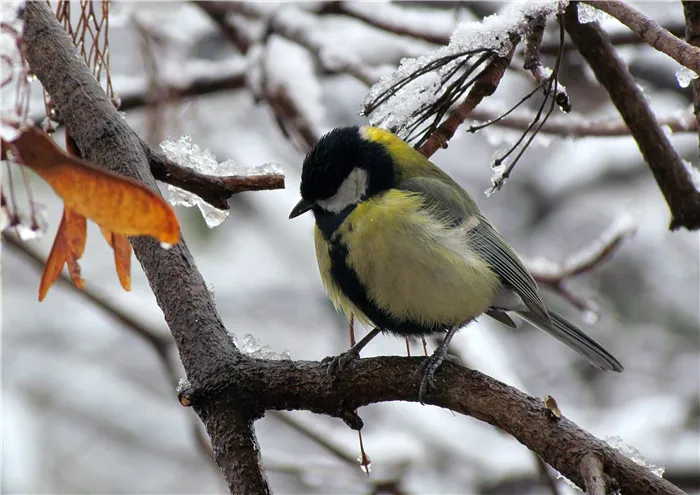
{"x":555,"y":275}
{"x":197,"y":178}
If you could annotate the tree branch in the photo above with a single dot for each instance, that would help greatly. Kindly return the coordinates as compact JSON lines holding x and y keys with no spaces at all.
{"x":196,"y":87}
{"x":484,"y":86}
{"x":576,"y":125}
{"x":592,"y":473}
{"x":229,"y":390}
{"x":667,"y":166}
{"x":692,"y":36}
{"x":650,"y":32}
{"x":302,"y":385}
{"x":214,"y":190}
{"x":104,"y":138}
{"x":159,"y":342}
{"x":555,"y":275}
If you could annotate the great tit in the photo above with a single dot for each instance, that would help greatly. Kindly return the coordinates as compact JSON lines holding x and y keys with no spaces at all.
{"x":403,"y":247}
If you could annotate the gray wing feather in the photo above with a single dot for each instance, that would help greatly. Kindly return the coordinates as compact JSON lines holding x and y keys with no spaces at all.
{"x":491,"y":246}
{"x":564,"y":331}
{"x":501,"y":317}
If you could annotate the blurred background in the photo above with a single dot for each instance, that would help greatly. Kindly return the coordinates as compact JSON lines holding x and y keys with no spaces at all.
{"x":88,"y":404}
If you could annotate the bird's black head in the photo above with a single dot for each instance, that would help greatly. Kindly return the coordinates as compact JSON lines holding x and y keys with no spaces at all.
{"x":342,"y":169}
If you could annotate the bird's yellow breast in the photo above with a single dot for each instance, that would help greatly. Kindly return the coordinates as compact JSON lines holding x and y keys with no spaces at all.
{"x":412,"y":265}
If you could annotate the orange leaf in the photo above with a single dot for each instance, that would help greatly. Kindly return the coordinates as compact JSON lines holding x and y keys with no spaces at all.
{"x":55,"y":261}
{"x":75,"y":237}
{"x":122,"y":259}
{"x":117,"y":203}
{"x":122,"y":256}
{"x":107,"y":235}
{"x":68,"y":246}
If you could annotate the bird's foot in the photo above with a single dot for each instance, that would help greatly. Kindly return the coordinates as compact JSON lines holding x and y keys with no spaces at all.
{"x":430,"y":365}
{"x":339,"y":363}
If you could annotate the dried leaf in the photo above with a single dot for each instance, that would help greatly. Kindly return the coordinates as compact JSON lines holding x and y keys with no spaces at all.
{"x":552,"y":407}
{"x":117,"y":203}
{"x":122,"y":259}
{"x":55,"y":261}
{"x":75,"y":235}
{"x":68,"y":247}
{"x":122,"y":256}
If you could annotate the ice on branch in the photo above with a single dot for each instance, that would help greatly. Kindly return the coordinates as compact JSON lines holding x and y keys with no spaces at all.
{"x":27,"y":225}
{"x":419,"y":83}
{"x":187,"y":154}
{"x":633,"y":454}
{"x":685,"y":76}
{"x":15,"y":79}
{"x":588,"y":13}
{"x":255,"y":349}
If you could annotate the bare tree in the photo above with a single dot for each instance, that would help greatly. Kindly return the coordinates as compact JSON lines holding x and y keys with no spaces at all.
{"x":230,"y":390}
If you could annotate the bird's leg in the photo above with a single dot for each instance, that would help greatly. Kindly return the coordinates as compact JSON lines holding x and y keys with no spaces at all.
{"x":339,"y":362}
{"x":431,"y":364}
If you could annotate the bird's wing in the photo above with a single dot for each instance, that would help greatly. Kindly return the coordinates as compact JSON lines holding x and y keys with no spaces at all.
{"x":457,"y":208}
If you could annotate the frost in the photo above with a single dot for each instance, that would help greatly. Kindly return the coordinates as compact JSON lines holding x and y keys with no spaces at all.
{"x":252,"y":346}
{"x":685,"y":76}
{"x":499,"y":171}
{"x":182,"y":385}
{"x":624,"y":226}
{"x":492,"y":32}
{"x":694,"y":173}
{"x":489,"y":35}
{"x":588,"y":13}
{"x":28,"y":226}
{"x":187,"y":154}
{"x":591,"y":316}
{"x":633,"y":454}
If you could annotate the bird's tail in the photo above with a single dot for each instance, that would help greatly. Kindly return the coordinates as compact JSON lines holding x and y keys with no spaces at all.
{"x":566,"y":332}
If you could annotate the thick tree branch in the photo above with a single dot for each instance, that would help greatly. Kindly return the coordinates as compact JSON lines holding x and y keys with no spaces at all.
{"x":650,"y":32}
{"x":104,"y":138}
{"x":293,"y":385}
{"x":214,"y":190}
{"x":692,"y":36}
{"x":667,"y":166}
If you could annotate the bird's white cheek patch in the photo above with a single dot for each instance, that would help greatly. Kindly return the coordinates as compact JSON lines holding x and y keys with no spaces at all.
{"x":349,"y":193}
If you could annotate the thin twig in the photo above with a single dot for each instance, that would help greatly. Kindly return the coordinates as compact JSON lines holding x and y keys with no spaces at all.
{"x":670,"y":173}
{"x":592,"y":473}
{"x":555,"y":276}
{"x":546,"y":475}
{"x":484,"y":86}
{"x":218,"y":15}
{"x":161,"y":343}
{"x":576,"y":125}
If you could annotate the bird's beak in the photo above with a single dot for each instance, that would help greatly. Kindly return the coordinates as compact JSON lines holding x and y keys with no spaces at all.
{"x":302,"y":207}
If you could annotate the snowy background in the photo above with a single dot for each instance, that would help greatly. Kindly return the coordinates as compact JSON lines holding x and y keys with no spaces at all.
{"x":88,"y":408}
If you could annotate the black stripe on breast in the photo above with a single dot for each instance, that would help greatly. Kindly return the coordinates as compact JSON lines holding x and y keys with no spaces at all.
{"x":347,"y":280}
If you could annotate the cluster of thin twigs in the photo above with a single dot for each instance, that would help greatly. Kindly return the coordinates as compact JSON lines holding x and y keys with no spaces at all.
{"x":17,"y":74}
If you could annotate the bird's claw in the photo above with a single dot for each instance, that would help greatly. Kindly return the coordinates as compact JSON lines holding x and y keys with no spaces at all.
{"x":430,"y":366}
{"x":339,"y":362}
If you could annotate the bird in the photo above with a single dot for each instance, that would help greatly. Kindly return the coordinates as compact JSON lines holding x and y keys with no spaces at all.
{"x":406,"y":250}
